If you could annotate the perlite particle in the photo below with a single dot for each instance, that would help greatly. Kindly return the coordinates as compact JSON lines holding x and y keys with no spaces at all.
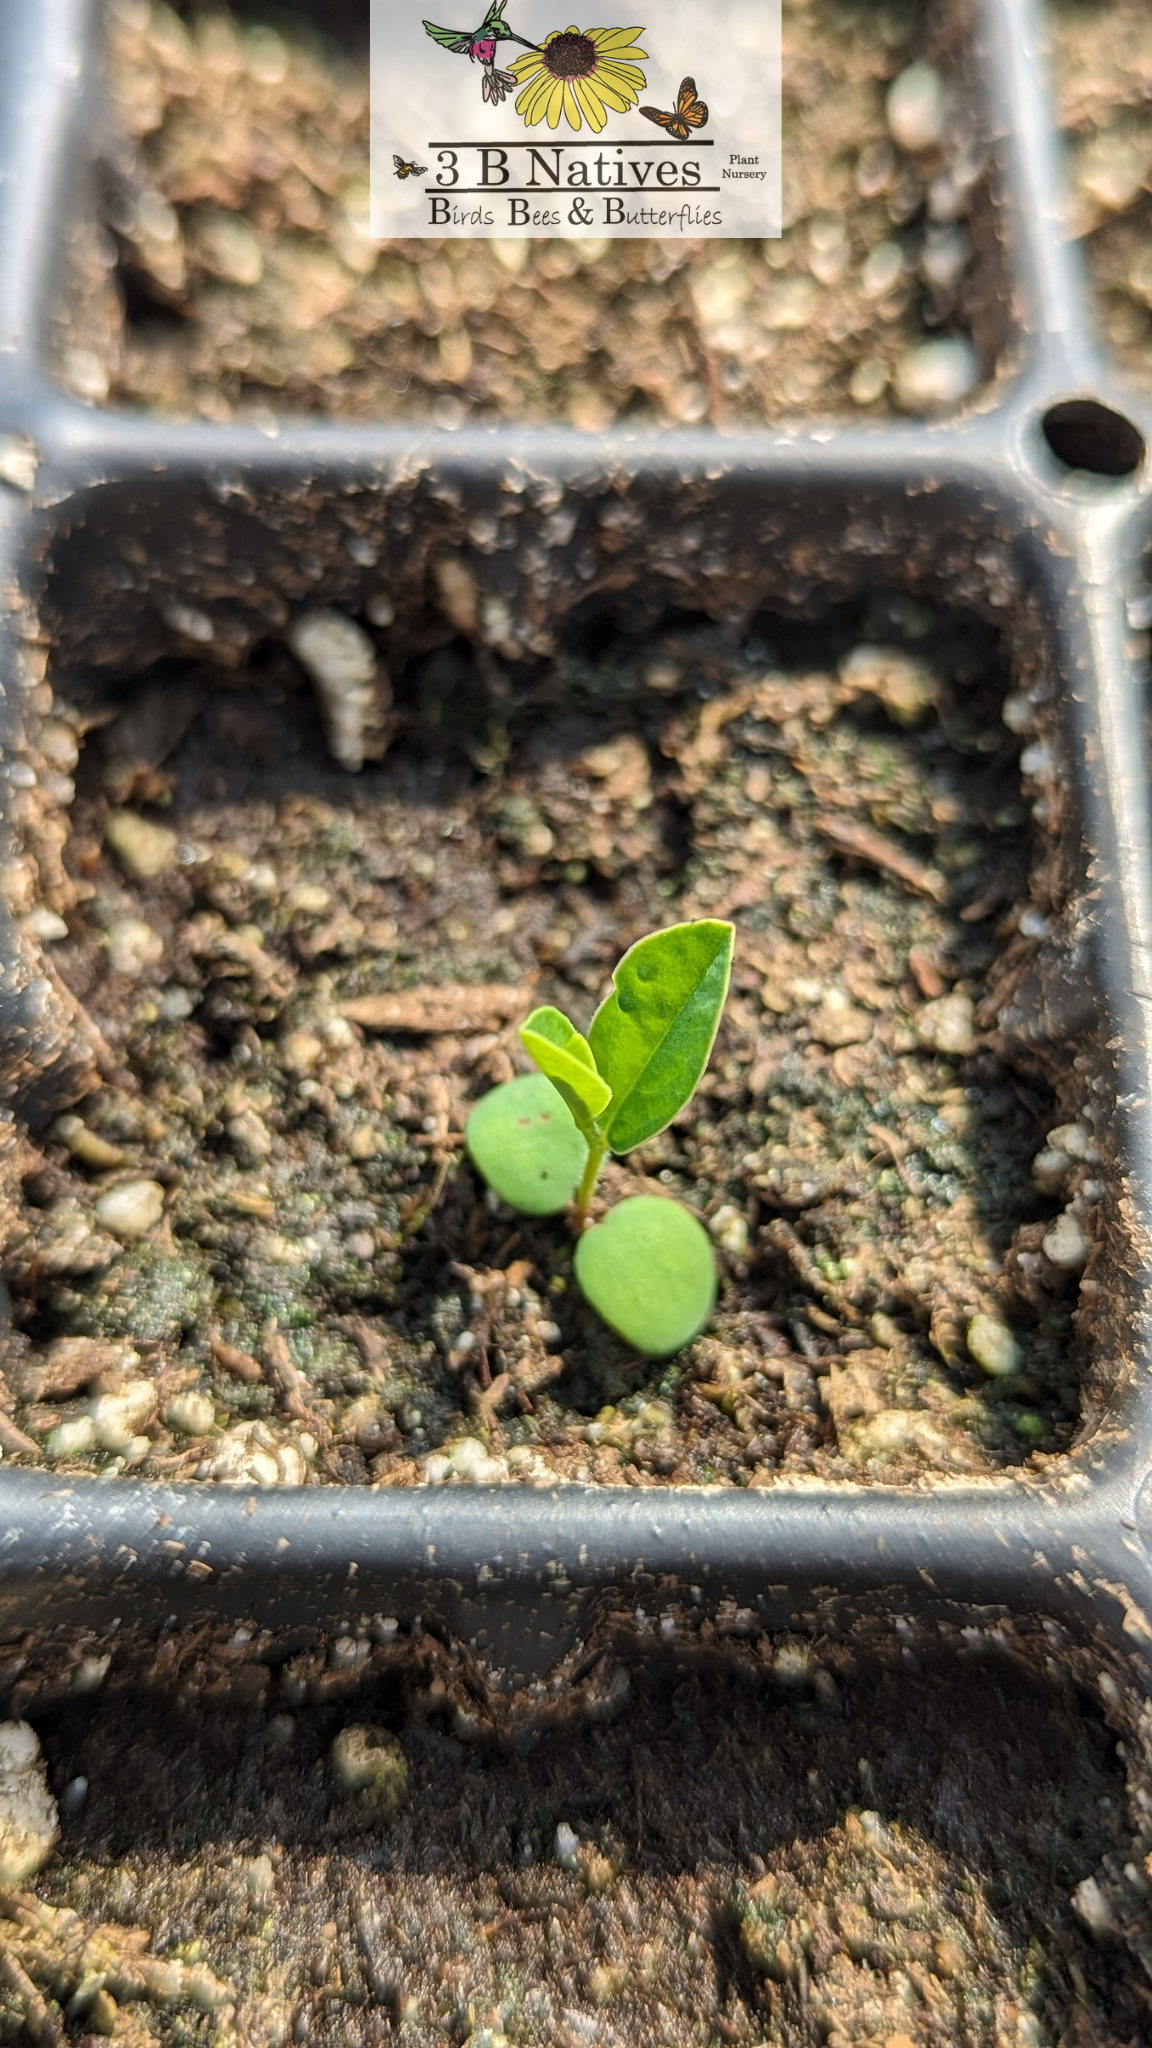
{"x":191,"y":1414}
{"x":915,"y":108}
{"x":133,"y":946}
{"x":993,"y":1347}
{"x":565,"y":1846}
{"x":142,"y":848}
{"x":946,"y":1025}
{"x":29,"y":1823}
{"x":1065,"y":1244}
{"x":937,"y":374}
{"x":116,"y":1418}
{"x":72,"y":1439}
{"x":131,"y":1209}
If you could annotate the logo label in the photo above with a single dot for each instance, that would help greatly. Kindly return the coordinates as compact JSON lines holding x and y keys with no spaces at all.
{"x":513,"y":122}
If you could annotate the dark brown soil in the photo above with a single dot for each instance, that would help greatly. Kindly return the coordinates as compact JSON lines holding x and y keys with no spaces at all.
{"x":775,"y":1847}
{"x":328,"y":1278}
{"x":237,"y":278}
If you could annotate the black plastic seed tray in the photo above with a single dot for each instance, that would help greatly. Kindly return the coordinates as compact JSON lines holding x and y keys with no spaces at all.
{"x":1030,"y":509}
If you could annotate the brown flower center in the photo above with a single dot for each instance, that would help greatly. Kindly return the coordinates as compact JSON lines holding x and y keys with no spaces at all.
{"x":570,"y":56}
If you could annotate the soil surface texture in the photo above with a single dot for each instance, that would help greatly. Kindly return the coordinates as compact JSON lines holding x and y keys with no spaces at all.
{"x":236,"y":279}
{"x":1102,"y":55}
{"x":786,"y":1847}
{"x":259,"y":1254}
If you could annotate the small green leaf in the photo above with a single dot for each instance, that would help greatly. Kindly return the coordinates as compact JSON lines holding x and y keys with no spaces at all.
{"x":652,"y":1036}
{"x":521,"y":1137}
{"x":650,"y":1271}
{"x":560,"y":1052}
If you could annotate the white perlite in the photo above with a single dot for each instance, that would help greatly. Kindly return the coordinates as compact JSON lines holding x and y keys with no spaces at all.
{"x":1091,"y":1907}
{"x":729,"y":1229}
{"x":249,"y":1455}
{"x":116,"y":1418}
{"x":565,"y":1846}
{"x":994,"y":1347}
{"x":130,"y":1209}
{"x":143,"y":848}
{"x":946,"y":1025}
{"x":133,"y":946}
{"x":937,"y":374}
{"x":45,"y":925}
{"x":19,"y":461}
{"x":354,"y":692}
{"x":1065,"y":1244}
{"x":29,"y":1823}
{"x":466,"y":1462}
{"x":915,"y":108}
{"x":192,"y":1414}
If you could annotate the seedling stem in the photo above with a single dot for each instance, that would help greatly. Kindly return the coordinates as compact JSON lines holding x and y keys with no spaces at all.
{"x":597,"y":1152}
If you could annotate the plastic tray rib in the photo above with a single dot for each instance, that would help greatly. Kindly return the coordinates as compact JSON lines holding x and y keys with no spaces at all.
{"x":975,"y":501}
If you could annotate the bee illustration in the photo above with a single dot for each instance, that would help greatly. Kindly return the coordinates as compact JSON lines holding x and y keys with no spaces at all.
{"x":412,"y":170}
{"x":690,"y":113}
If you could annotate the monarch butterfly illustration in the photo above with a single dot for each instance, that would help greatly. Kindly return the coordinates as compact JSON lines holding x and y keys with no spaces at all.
{"x":690,"y":113}
{"x":412,"y":170}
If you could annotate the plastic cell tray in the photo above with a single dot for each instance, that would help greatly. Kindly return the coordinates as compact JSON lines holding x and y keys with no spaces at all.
{"x":1031,"y":507}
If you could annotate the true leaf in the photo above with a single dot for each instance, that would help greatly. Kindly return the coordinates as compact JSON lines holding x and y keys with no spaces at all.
{"x":652,"y":1036}
{"x":650,"y":1271}
{"x":560,"y":1052}
{"x":522,"y":1138}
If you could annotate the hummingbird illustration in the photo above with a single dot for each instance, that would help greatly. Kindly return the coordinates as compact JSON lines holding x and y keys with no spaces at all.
{"x":479,"y":46}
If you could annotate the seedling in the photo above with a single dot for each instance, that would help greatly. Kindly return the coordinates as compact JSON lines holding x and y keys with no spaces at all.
{"x":541,"y":1141}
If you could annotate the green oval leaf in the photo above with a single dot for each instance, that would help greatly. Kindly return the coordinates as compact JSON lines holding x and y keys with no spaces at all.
{"x":650,"y":1271}
{"x":652,"y":1036}
{"x":523,"y":1140}
{"x":560,"y":1052}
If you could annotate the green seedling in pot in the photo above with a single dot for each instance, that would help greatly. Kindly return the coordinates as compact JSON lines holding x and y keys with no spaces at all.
{"x":541,"y":1141}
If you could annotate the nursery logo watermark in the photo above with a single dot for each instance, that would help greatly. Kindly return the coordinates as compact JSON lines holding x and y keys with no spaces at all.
{"x":523,"y":125}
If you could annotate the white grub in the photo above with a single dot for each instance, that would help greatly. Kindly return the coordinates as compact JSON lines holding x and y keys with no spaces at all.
{"x":29,"y":1823}
{"x":352,"y":685}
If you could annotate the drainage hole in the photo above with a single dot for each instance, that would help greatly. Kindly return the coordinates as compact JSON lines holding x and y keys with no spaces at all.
{"x":1084,"y":434}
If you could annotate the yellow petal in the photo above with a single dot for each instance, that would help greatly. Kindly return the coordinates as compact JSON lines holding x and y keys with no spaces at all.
{"x":619,"y":96}
{"x":615,"y":38}
{"x":571,"y":110}
{"x":526,"y":67}
{"x":618,"y":101}
{"x":593,"y":111}
{"x":536,"y":101}
{"x":628,"y":93}
{"x":555,"y":103}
